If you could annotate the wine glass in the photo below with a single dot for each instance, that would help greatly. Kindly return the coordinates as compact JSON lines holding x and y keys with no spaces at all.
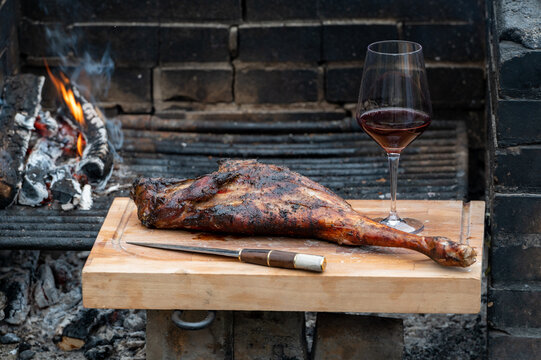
{"x":394,"y":107}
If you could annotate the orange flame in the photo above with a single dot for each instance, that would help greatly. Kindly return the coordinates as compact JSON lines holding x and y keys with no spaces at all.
{"x":67,"y":95}
{"x":80,"y":145}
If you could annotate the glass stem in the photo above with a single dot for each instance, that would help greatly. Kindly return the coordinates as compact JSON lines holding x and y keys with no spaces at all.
{"x":393,"y":170}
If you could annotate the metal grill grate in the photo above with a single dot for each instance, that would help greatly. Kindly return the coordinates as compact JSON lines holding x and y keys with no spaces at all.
{"x":332,"y":152}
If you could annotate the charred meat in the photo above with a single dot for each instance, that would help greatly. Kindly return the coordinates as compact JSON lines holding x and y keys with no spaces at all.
{"x":248,"y":197}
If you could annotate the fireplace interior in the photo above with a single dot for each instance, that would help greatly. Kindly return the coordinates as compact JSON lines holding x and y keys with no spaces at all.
{"x":179,"y":85}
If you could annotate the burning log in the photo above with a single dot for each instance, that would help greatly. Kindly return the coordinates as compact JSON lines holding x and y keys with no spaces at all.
{"x":97,"y":161}
{"x":20,"y":106}
{"x":97,"y":158}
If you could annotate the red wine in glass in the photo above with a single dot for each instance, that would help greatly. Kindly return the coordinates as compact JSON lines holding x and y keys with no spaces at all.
{"x":394,"y":128}
{"x":394,"y":108}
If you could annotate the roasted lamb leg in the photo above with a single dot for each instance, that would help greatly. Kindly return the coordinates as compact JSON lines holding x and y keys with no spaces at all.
{"x":248,"y":197}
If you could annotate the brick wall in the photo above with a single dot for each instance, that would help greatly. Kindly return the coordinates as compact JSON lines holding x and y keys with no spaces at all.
{"x":192,"y":54}
{"x":9,"y":45}
{"x":260,"y":57}
{"x":515,"y":180}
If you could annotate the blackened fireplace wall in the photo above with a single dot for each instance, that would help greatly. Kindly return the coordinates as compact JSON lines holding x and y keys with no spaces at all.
{"x":256,"y":56}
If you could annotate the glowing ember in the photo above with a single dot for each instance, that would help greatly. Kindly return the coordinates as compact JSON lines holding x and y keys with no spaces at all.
{"x":63,"y":87}
{"x":80,"y":145}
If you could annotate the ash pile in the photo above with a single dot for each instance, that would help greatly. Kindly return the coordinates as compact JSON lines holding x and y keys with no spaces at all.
{"x":42,"y":316}
{"x":57,"y":160}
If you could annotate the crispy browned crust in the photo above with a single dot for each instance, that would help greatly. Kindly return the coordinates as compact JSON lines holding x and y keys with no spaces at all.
{"x":247,"y":197}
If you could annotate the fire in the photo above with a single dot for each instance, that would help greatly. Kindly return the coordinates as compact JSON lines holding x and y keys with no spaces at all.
{"x":80,"y":144}
{"x":63,"y":87}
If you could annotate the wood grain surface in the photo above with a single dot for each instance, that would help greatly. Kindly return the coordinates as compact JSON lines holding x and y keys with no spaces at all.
{"x":357,"y":279}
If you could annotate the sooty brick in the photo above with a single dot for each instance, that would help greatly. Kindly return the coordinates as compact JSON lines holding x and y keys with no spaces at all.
{"x":516,"y":263}
{"x":456,"y":86}
{"x":33,"y":40}
{"x":257,"y":10}
{"x":519,"y":167}
{"x":90,"y":10}
{"x":200,"y":10}
{"x":443,"y":42}
{"x":458,"y":10}
{"x":515,"y":308}
{"x":507,"y":347}
{"x":342,"y":83}
{"x":7,"y":22}
{"x":130,"y":89}
{"x":279,"y":43}
{"x":135,"y":45}
{"x":520,"y":71}
{"x":257,"y":86}
{"x":209,"y":84}
{"x":346,"y":41}
{"x":519,"y":122}
{"x":196,"y":43}
{"x":517,"y":214}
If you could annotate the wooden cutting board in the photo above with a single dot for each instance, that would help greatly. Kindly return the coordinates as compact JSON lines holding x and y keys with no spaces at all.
{"x":357,"y":279}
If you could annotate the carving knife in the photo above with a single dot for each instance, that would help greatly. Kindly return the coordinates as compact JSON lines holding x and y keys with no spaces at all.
{"x":265,"y":257}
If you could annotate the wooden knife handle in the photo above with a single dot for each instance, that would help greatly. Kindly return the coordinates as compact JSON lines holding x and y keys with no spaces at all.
{"x":283,"y":259}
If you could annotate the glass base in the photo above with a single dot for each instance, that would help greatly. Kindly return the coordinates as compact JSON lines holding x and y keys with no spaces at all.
{"x":408,"y":225}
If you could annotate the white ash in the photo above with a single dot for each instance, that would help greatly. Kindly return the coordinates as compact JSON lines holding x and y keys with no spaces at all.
{"x":86,"y":198}
{"x":39,"y":167}
{"x":40,"y":329}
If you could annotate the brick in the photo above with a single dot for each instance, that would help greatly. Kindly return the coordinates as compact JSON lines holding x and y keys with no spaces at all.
{"x":348,"y":41}
{"x":516,"y":263}
{"x":196,"y":43}
{"x":202,"y":84}
{"x":279,"y":43}
{"x":8,"y":18}
{"x":433,"y":10}
{"x":130,"y":89}
{"x":200,"y":10}
{"x":516,"y":214}
{"x":456,"y":86}
{"x":520,"y":71}
{"x":506,"y":347}
{"x":519,"y":167}
{"x":33,"y":40}
{"x":269,"y":335}
{"x":340,"y":9}
{"x":342,"y":83}
{"x":89,"y":10}
{"x":276,"y":85}
{"x":164,"y":340}
{"x":443,"y":42}
{"x":132,"y":45}
{"x":515,"y":308}
{"x":343,"y":336}
{"x":518,"y":122}
{"x":519,"y":22}
{"x":280,"y":9}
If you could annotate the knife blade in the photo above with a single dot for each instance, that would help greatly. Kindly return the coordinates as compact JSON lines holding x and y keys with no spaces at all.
{"x":266,"y":257}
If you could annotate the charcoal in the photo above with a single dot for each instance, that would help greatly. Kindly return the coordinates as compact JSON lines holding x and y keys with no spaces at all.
{"x":9,"y":338}
{"x":16,"y":288}
{"x":20,"y":106}
{"x":26,"y":355}
{"x":45,"y":292}
{"x":99,"y":353}
{"x":39,"y":167}
{"x":63,"y":187}
{"x":80,"y":327}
